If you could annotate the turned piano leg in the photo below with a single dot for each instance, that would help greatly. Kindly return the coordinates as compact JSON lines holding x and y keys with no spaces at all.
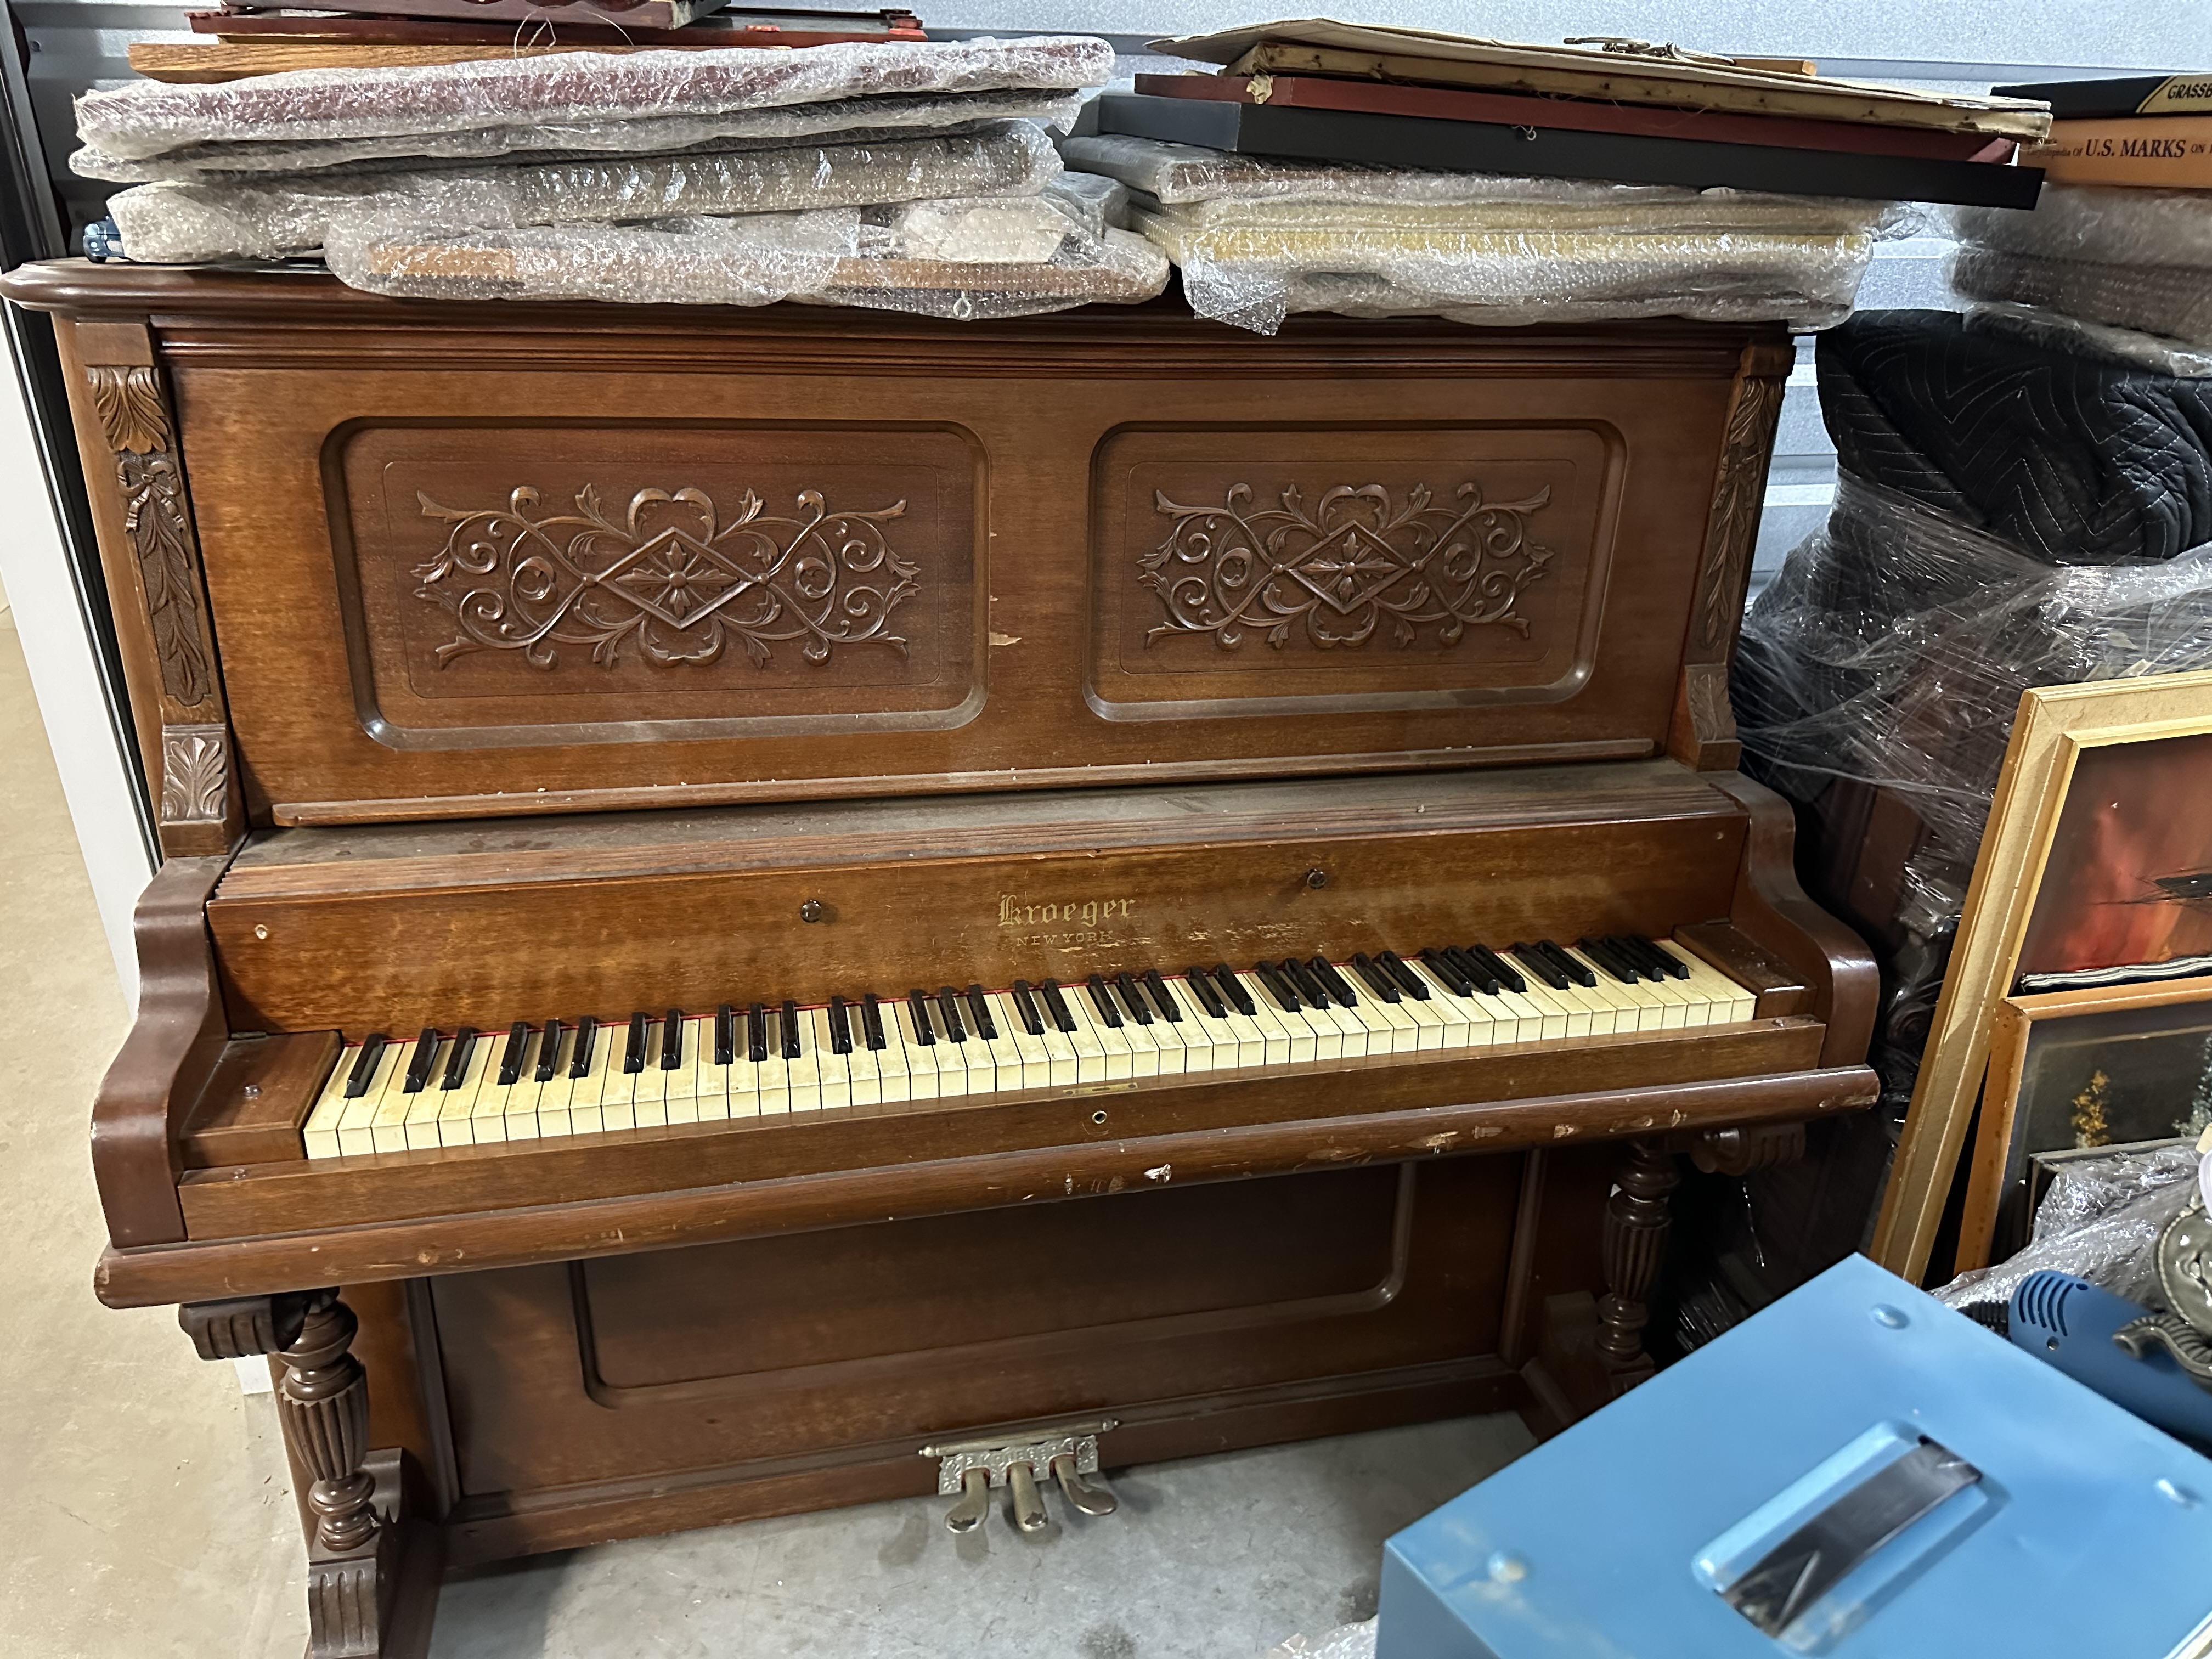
{"x":1637,"y":1222}
{"x":372,"y":1572}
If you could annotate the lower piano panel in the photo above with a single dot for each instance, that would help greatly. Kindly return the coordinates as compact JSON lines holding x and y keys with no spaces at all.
{"x":645,"y":1394}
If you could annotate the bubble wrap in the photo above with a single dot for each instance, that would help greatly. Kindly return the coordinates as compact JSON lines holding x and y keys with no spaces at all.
{"x":2099,"y":223}
{"x":2122,"y":348}
{"x":1257,"y":239}
{"x":145,"y":118}
{"x":962,"y":259}
{"x":854,"y":120}
{"x":187,"y":222}
{"x":2101,"y":1220}
{"x":2174,"y":300}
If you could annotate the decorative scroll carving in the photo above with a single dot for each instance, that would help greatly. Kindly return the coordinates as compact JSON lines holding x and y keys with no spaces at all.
{"x":670,"y":579}
{"x":135,"y":417}
{"x":1356,"y":565}
{"x":1634,"y":1244}
{"x":195,"y":774}
{"x":1732,"y":529}
{"x":242,"y":1326}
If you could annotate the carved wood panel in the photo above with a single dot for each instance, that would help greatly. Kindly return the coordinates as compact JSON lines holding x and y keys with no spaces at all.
{"x":1233,"y":570}
{"x":516,"y":586}
{"x":135,"y":417}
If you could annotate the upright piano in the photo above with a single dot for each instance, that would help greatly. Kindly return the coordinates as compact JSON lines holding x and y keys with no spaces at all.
{"x":766,"y":909}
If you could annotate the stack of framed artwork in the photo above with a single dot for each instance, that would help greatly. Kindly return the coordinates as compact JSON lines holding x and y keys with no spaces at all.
{"x":2078,"y":1007}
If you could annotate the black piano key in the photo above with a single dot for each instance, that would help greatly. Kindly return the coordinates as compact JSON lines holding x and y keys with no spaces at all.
{"x":1482,"y":966}
{"x":1203,"y":988}
{"x":948,"y":1009}
{"x":1277,"y":986}
{"x":1599,"y":952}
{"x":1672,"y":966}
{"x":549,"y":1053}
{"x":1440,"y":964}
{"x":726,"y":1036}
{"x":1056,"y":1005}
{"x":872,"y":1021}
{"x":1470,"y":970}
{"x":1628,"y":960}
{"x":917,"y":1003}
{"x":1500,"y":969}
{"x":587,"y":1031}
{"x":1233,"y":988}
{"x":1380,"y":982}
{"x":419,"y":1062}
{"x":792,"y":1049}
{"x":1171,"y":1010}
{"x":1133,"y":999}
{"x":1025,"y":1005}
{"x":841,"y":1030}
{"x":672,"y":1041}
{"x":457,"y":1059}
{"x":634,"y":1051}
{"x":510,"y":1058}
{"x":756,"y":1035}
{"x":1103,"y":999}
{"x":1567,"y":965}
{"x":1407,"y":980}
{"x":364,"y":1066}
{"x":1339,"y":987}
{"x":1541,"y":965}
{"x":980,"y":1008}
{"x":1303,"y":982}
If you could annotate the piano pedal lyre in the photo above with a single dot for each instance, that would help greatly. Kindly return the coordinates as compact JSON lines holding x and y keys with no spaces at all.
{"x":970,"y":1469}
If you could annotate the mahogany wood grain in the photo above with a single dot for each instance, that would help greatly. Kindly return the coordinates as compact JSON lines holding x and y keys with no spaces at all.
{"x":256,"y":1100}
{"x":339,"y":444}
{"x":165,"y":1061}
{"x":1778,"y":990}
{"x":215,"y":1268}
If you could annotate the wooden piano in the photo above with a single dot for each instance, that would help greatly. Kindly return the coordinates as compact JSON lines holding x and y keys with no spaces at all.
{"x":772,"y":908}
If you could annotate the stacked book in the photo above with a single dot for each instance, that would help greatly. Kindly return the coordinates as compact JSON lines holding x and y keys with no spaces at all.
{"x":902,"y":174}
{"x":2118,"y":254}
{"x":1381,"y":171}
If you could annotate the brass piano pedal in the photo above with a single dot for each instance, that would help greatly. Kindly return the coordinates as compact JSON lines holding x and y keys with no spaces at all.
{"x":969,"y":1469}
{"x":974,"y":1502}
{"x":1028,"y":1501}
{"x":1081,"y":1494}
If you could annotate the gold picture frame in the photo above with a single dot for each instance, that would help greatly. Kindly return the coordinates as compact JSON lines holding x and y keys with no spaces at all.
{"x":2058,"y":728}
{"x":2091,"y":1027}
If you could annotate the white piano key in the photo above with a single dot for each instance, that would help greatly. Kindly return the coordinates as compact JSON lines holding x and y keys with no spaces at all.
{"x":893,"y":1083}
{"x":679,"y":1087}
{"x":774,"y":1072}
{"x":833,"y":1079}
{"x":1278,"y":1041}
{"x":861,"y":1069}
{"x":1391,"y":1030}
{"x":710,"y":1079}
{"x":1351,"y":1029}
{"x":1236,"y":1041}
{"x":1200,"y":1049}
{"x":1032,"y":1058}
{"x":618,"y":1091}
{"x":1633,"y":1000}
{"x":546,"y":1117}
{"x":487,"y":1118}
{"x":1061,"y":1062}
{"x":1468,"y":1022}
{"x":1007,"y":1069}
{"x":1595,"y":1013}
{"x":419,"y":1130}
{"x":1539,"y":1019}
{"x":318,"y":1136}
{"x":1095,"y":1061}
{"x":648,"y":1100}
{"x":355,"y":1134}
{"x":586,"y":1112}
{"x":919,"y":1058}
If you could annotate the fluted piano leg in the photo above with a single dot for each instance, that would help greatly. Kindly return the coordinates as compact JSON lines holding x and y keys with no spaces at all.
{"x":355,"y":1580}
{"x":1637,"y":1222}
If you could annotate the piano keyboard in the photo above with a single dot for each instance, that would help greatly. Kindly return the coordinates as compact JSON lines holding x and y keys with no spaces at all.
{"x":757,"y":1059}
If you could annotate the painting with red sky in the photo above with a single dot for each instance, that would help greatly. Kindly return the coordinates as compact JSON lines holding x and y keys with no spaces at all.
{"x":2130,"y":875}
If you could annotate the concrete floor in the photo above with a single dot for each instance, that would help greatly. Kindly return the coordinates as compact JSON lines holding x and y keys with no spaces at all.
{"x":150,"y":1515}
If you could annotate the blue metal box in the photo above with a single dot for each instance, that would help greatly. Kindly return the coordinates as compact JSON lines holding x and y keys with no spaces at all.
{"x":1857,"y":1471}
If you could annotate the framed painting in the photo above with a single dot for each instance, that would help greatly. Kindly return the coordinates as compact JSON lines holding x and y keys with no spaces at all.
{"x":2095,"y":868}
{"x":2093,"y":1068}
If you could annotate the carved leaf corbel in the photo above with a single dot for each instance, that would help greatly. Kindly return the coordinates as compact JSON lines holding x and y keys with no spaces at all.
{"x":195,"y":774}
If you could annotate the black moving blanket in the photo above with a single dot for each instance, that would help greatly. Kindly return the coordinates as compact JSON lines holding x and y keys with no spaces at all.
{"x":2072,"y":461}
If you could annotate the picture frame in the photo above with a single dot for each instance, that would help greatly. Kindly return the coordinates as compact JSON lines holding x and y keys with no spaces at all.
{"x":2075,"y":1072}
{"x":2084,"y":808}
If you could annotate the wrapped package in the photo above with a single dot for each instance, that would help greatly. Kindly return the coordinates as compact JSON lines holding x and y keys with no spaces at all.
{"x":847,"y":121}
{"x":2100,"y":1221}
{"x":983,"y":257}
{"x":281,"y":217}
{"x":1256,"y":239}
{"x":2099,"y":223}
{"x":2122,"y":348}
{"x":145,"y":118}
{"x":2175,"y":300}
{"x":2008,"y":515}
